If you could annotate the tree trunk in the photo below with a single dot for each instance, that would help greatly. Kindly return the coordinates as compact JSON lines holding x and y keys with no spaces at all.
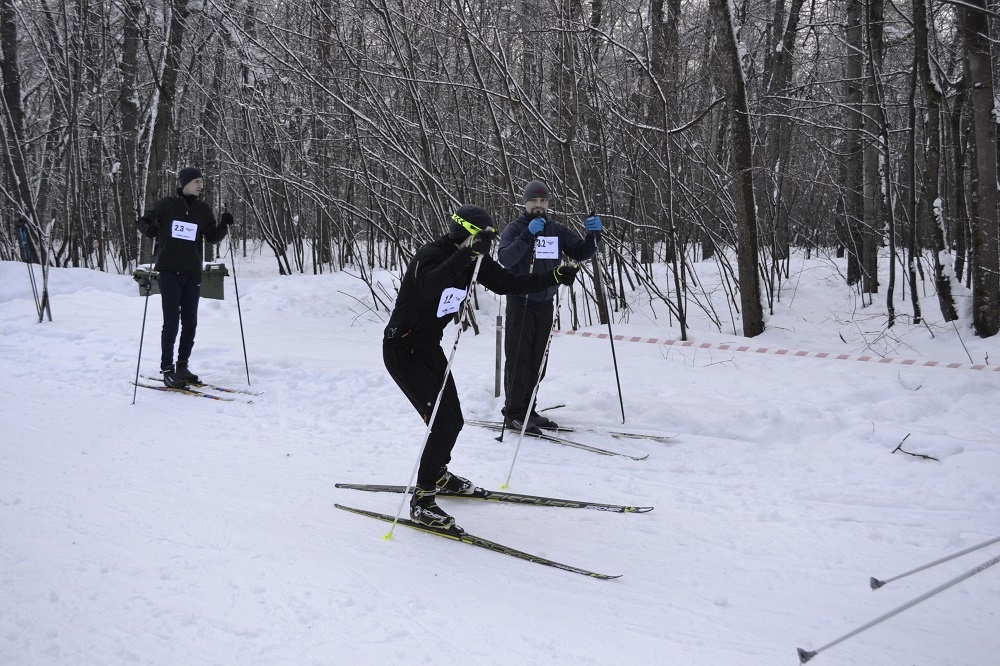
{"x":853,"y":196}
{"x":985,"y":257}
{"x":933,"y":161}
{"x":741,"y":169}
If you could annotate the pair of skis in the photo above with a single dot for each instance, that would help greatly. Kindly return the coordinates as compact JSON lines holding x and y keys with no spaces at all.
{"x":457,"y":534}
{"x":555,"y":436}
{"x":200,"y":390}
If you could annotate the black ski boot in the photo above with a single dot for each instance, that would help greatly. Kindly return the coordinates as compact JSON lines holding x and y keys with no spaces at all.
{"x":424,"y":509}
{"x":171,"y":379}
{"x":515,"y":424}
{"x":452,"y":484}
{"x":543,"y":422}
{"x":184,"y":373}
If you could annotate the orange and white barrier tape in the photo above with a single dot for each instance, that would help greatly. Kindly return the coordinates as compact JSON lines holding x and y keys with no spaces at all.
{"x":729,"y":346}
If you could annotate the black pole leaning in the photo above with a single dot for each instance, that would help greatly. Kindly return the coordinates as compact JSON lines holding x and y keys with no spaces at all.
{"x":239,"y":312}
{"x":26,"y":256}
{"x":806,"y":655}
{"x":148,"y":286}
{"x":611,"y":335}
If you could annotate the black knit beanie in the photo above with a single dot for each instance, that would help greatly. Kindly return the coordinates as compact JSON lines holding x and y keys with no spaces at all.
{"x":187,"y":174}
{"x":471,"y":214}
{"x":536,"y":189}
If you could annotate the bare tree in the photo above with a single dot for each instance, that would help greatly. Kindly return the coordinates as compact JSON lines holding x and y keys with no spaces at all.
{"x":742,"y":167}
{"x":985,"y":265}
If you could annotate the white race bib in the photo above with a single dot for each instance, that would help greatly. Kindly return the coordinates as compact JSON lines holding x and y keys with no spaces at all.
{"x":547,"y":247}
{"x":451,"y":300}
{"x":184,"y":230}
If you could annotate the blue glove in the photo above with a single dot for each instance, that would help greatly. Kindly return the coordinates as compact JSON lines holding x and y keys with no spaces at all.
{"x":593,"y":223}
{"x":536,"y":225}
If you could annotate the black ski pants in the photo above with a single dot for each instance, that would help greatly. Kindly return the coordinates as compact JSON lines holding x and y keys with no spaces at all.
{"x":180,"y":295}
{"x":526,"y":334}
{"x":419,"y":373}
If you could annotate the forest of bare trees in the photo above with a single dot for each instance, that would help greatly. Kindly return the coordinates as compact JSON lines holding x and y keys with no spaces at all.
{"x":341,"y":133}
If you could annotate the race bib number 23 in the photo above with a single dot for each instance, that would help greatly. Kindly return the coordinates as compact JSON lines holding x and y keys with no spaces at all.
{"x":184,"y":230}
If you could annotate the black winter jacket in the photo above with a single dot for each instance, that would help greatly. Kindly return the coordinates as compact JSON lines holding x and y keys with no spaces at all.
{"x":178,"y":226}
{"x":437,"y":266}
{"x":517,"y":248}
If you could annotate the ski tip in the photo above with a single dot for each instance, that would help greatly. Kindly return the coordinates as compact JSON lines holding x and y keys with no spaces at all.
{"x":805,"y":655}
{"x":639,"y":509}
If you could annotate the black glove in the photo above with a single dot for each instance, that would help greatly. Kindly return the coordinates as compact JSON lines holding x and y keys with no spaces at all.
{"x":227,"y":219}
{"x":483,"y":241}
{"x":152,"y":230}
{"x":566,"y":273}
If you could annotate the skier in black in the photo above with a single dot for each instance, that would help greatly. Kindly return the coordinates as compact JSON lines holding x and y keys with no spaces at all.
{"x":179,"y":225}
{"x":431,"y":292}
{"x":533,"y":243}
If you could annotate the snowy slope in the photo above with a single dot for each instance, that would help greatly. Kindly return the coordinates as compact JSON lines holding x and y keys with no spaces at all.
{"x":187,"y":531}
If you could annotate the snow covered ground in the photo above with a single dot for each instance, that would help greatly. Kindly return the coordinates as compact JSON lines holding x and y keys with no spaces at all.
{"x":186,"y":531}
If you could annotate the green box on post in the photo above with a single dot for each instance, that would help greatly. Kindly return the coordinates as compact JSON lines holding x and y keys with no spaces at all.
{"x":212,"y":280}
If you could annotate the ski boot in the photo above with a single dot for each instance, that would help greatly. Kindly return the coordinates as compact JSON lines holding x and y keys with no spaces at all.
{"x":452,"y":484}
{"x":184,"y":373}
{"x":543,"y":422}
{"x":424,"y":509}
{"x":171,"y":379}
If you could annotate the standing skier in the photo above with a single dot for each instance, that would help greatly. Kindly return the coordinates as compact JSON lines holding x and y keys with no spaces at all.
{"x":178,"y":226}
{"x":533,"y":243}
{"x":434,"y":285}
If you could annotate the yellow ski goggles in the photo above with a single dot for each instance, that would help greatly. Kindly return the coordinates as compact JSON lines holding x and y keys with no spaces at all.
{"x":465,"y":224}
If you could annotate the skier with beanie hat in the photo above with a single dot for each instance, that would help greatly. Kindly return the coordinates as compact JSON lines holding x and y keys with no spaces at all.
{"x":179,"y":226}
{"x":529,"y":317}
{"x":435,"y":283}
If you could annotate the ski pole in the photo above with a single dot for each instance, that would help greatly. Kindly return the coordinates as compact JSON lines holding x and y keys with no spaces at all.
{"x":517,"y":354}
{"x":239,"y":312}
{"x":531,"y":405}
{"x":611,"y":335}
{"x":148,"y":286}
{"x":806,"y":655}
{"x":26,"y":256}
{"x":876,"y":583}
{"x":437,"y":402}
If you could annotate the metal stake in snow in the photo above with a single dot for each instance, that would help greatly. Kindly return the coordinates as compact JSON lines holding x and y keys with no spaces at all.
{"x":876,"y":583}
{"x":806,"y":655}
